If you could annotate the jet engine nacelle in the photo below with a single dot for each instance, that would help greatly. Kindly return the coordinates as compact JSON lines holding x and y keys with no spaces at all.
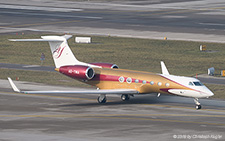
{"x":106,"y":65}
{"x":78,"y":72}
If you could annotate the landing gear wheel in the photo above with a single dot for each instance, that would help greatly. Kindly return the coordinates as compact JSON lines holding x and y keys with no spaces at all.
{"x":102,"y":99}
{"x":198,"y":107}
{"x":125,"y":97}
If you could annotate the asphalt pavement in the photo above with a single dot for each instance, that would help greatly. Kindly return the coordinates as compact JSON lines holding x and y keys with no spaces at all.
{"x":69,"y":117}
{"x":199,"y":20}
{"x":79,"y":117}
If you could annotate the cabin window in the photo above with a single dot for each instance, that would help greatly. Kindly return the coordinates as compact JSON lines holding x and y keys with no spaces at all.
{"x":121,"y":79}
{"x":159,"y":83}
{"x":136,"y":81}
{"x":167,"y":84}
{"x":129,"y":80}
{"x":152,"y":82}
{"x":143,"y":82}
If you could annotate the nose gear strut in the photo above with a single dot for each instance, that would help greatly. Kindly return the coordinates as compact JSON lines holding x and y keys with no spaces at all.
{"x":198,"y":104}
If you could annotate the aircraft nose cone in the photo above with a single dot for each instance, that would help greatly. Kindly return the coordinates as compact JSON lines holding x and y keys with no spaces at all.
{"x":209,"y":93}
{"x":205,"y":92}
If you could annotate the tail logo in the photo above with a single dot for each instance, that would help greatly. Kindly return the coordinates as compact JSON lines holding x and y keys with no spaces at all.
{"x":58,"y":52}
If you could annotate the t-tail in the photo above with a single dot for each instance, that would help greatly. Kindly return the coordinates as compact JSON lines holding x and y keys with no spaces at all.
{"x":61,"y":52}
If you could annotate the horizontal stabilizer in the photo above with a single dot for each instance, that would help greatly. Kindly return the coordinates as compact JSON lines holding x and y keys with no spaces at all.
{"x":35,"y":40}
{"x":45,"y":38}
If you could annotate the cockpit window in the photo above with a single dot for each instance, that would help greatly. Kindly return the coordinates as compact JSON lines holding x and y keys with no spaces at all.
{"x":190,"y":83}
{"x":198,"y":83}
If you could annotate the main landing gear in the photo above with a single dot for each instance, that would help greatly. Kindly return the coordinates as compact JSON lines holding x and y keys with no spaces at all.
{"x":198,"y":104}
{"x":125,"y":97}
{"x":102,"y":98}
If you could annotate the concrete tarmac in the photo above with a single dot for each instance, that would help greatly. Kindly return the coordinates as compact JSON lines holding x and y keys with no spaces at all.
{"x":79,"y":117}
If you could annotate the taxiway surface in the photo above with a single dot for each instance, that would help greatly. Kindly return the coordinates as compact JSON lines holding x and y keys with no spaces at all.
{"x":197,"y":20}
{"x":80,"y":117}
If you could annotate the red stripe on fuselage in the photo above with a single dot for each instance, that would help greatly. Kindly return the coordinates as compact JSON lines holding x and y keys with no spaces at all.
{"x":104,"y":77}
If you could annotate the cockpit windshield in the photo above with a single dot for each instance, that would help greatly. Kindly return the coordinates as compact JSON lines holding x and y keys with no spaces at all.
{"x":196,"y":83}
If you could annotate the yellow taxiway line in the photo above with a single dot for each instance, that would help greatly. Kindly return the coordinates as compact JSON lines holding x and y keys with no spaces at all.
{"x":36,"y":24}
{"x":158,"y":12}
{"x":117,"y":115}
{"x":50,"y":96}
{"x":149,"y":117}
{"x":88,"y":99}
{"x":121,"y":116}
{"x":180,"y":107}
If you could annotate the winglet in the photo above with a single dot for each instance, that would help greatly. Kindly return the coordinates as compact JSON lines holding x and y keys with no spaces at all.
{"x":13,"y":85}
{"x":164,"y":69}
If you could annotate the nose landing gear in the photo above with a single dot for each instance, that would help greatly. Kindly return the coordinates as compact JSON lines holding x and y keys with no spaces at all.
{"x":198,"y":104}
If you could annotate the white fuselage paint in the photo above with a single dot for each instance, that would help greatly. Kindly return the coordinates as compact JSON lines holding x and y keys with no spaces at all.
{"x":196,"y":91}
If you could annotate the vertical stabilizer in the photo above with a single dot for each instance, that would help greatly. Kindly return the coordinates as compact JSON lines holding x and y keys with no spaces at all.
{"x":61,"y":52}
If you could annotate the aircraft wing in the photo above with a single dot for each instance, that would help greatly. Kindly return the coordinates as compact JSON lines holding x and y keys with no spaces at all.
{"x":110,"y":91}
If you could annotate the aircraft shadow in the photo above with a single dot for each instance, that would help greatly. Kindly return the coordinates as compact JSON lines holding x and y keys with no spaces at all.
{"x":150,"y":99}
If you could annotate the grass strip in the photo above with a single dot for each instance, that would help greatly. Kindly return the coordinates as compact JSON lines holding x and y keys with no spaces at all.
{"x":181,"y":57}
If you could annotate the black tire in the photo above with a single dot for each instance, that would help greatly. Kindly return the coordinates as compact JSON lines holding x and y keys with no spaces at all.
{"x":102,"y":101}
{"x":198,"y":107}
{"x":125,"y":97}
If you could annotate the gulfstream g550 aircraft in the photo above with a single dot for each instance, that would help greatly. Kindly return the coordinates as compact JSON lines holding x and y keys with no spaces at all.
{"x":109,"y":79}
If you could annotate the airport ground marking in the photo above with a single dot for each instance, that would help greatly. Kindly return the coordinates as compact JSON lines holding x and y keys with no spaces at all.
{"x":50,"y":96}
{"x":165,"y":12}
{"x":36,"y":24}
{"x":170,"y":106}
{"x":119,"y":116}
{"x":177,"y":11}
{"x":88,"y":99}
